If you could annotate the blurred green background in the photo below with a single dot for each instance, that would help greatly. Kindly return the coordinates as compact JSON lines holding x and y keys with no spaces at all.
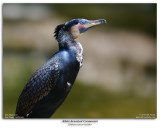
{"x":118,"y":77}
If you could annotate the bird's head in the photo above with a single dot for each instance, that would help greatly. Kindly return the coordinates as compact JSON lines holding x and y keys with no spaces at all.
{"x":77,"y":26}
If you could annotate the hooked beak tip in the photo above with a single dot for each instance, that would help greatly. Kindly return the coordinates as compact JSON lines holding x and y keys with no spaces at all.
{"x":102,"y":21}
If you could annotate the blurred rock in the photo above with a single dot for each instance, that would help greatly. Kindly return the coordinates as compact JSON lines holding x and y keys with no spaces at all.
{"x":117,"y":58}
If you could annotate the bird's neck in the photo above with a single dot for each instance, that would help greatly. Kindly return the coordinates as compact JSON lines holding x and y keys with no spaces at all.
{"x":65,"y":40}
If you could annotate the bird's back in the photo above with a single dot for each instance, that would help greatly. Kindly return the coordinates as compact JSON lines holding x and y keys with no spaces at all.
{"x":48,"y":86}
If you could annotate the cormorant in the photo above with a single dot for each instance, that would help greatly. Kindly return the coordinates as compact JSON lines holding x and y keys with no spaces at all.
{"x":50,"y":84}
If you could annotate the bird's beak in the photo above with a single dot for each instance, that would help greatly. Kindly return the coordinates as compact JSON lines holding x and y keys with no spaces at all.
{"x":92,"y":23}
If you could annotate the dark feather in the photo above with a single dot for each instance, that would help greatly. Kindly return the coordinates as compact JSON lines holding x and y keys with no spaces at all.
{"x":39,"y":86}
{"x":58,"y":28}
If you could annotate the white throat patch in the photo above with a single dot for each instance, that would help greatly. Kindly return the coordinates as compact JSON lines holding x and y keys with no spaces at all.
{"x":79,"y":55}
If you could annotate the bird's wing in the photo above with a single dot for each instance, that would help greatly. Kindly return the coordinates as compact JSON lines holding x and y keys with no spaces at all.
{"x":39,"y":85}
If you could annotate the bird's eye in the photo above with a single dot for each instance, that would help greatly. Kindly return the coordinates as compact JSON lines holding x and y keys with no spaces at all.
{"x":81,"y":22}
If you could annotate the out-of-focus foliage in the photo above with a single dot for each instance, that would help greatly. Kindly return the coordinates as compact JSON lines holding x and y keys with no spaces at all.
{"x":118,"y":77}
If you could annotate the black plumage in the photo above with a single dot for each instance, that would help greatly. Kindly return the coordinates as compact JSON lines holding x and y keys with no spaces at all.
{"x":50,"y":84}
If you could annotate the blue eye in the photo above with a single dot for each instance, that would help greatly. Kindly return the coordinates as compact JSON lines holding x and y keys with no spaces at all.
{"x":81,"y":22}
